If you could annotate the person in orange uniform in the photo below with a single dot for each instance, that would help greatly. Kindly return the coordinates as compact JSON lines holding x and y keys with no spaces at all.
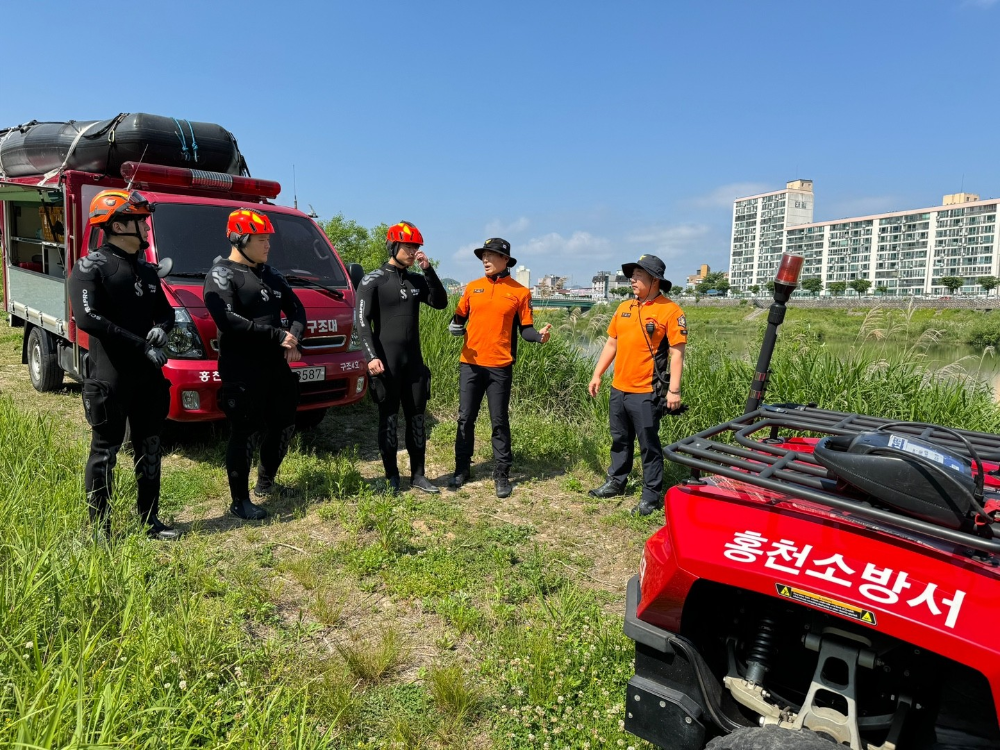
{"x":491,"y":313}
{"x":646,"y":340}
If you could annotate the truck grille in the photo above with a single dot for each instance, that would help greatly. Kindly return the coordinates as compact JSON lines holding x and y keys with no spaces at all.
{"x":323,"y":390}
{"x":316,"y":343}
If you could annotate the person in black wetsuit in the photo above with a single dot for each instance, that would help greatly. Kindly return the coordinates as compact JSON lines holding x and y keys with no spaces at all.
{"x":259,"y":392}
{"x":387,"y":317}
{"x":118,"y":302}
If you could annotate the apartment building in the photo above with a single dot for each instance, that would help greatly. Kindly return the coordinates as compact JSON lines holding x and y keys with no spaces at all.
{"x":759,"y":226}
{"x":901,"y":252}
{"x":602,"y":284}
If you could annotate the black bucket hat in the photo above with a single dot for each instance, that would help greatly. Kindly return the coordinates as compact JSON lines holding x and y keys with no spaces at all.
{"x":496,"y":245}
{"x":651,"y":265}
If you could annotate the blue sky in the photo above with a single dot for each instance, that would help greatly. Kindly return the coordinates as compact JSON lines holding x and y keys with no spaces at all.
{"x":586,"y":133}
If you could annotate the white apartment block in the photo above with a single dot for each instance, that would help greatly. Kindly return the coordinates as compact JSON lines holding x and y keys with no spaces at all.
{"x":523,"y":276}
{"x":903,"y":252}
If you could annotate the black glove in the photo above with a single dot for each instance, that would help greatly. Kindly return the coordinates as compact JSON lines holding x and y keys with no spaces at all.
{"x":156,"y":337}
{"x":156,"y":356}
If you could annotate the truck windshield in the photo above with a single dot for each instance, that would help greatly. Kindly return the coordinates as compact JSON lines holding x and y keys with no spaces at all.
{"x":194,"y":236}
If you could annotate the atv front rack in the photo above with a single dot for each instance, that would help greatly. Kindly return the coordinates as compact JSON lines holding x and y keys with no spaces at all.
{"x":765,"y":461}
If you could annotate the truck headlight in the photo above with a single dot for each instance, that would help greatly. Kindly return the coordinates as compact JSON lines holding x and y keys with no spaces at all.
{"x":355,"y":345}
{"x":183,"y":340}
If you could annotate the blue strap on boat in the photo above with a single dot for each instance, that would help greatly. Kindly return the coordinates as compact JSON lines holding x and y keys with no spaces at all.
{"x":194,"y":143}
{"x":180,"y":134}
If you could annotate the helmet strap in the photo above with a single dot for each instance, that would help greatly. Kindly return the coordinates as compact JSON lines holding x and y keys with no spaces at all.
{"x":240,"y":244}
{"x":143,"y":244}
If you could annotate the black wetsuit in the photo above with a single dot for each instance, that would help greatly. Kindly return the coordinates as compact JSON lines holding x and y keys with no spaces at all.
{"x":387,"y":317}
{"x":259,"y":390}
{"x":117,"y":299}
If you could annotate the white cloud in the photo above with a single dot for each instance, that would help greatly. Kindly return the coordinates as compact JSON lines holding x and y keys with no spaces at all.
{"x":498,"y":228}
{"x":673,"y":241}
{"x":578,"y":245}
{"x":464,"y":253}
{"x":724,"y":195}
{"x":979,"y":3}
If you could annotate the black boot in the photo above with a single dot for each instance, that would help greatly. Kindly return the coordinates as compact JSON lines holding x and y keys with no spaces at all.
{"x":266,"y":488}
{"x":392,"y":485}
{"x":610,"y":488}
{"x":160,"y":531}
{"x":501,"y":482}
{"x":460,"y":477}
{"x":422,"y":483}
{"x":247,"y":510}
{"x":645,"y":507}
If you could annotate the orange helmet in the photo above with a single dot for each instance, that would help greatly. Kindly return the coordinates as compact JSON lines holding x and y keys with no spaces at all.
{"x":117,"y":205}
{"x":244,"y":222}
{"x":402,"y":233}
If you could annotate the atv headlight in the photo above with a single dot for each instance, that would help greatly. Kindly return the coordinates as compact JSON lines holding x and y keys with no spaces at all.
{"x":183,"y":340}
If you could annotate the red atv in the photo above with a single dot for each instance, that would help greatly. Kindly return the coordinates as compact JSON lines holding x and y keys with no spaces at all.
{"x":821,"y":577}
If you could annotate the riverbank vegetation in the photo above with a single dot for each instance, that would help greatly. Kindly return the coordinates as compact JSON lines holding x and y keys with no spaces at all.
{"x":354,"y":619}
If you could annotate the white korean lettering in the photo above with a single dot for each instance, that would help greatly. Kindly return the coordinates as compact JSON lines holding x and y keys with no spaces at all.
{"x":745,"y":547}
{"x":879,"y":589}
{"x":203,"y":376}
{"x":788,"y":551}
{"x":954,"y":604}
{"x":829,"y":574}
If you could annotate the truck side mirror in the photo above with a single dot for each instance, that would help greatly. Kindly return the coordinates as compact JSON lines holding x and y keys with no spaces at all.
{"x":357,"y":273}
{"x":164,"y":267}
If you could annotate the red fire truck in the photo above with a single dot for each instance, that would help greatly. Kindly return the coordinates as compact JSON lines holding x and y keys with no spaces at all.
{"x":44,"y":231}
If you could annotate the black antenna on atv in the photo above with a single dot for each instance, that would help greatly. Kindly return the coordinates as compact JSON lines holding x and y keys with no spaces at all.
{"x":785,"y":282}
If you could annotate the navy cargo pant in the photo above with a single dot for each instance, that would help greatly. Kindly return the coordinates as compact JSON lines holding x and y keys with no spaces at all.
{"x":474,"y":382}
{"x":637,"y":415}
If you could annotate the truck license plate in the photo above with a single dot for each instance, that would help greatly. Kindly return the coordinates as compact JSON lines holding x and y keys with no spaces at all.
{"x":310,"y":374}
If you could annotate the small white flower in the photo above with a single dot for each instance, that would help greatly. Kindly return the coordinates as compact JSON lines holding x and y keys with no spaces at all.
{"x":166,"y":686}
{"x":29,"y":644}
{"x":182,"y":684}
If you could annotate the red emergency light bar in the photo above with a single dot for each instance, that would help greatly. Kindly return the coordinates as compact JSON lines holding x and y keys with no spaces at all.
{"x":153,"y":175}
{"x":789,"y":270}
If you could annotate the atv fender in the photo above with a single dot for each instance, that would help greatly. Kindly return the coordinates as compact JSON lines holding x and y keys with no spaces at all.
{"x":673,"y":695}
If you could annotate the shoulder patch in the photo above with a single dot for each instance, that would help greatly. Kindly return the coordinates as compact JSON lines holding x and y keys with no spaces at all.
{"x":222,"y":276}
{"x":682,"y":321}
{"x":372,"y":276}
{"x":93,"y":260}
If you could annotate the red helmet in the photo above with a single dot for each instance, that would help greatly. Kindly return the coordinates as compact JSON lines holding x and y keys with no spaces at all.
{"x":244,"y":222}
{"x":402,"y":233}
{"x":117,"y":205}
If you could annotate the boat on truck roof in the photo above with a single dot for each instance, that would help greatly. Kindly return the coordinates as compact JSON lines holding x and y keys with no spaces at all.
{"x":44,"y":230}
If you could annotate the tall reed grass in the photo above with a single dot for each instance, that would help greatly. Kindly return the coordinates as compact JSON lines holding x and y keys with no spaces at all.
{"x":553,"y":417}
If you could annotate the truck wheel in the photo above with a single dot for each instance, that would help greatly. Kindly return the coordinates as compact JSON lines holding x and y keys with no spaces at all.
{"x":43,"y":364}
{"x":309,"y":420}
{"x":771,"y":738}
